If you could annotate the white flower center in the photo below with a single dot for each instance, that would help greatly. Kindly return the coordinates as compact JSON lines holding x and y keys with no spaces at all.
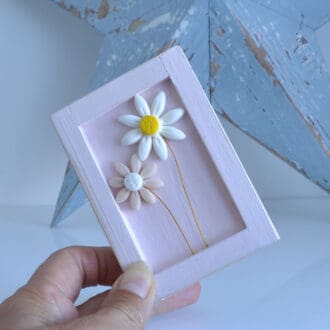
{"x":133,"y":181}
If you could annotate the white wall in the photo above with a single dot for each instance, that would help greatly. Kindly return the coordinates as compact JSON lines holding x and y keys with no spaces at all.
{"x":46,"y":59}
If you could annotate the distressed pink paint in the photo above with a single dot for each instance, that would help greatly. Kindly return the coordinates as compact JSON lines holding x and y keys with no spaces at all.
{"x":231,"y":214}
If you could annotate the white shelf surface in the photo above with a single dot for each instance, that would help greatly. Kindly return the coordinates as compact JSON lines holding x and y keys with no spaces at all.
{"x":284,"y":286}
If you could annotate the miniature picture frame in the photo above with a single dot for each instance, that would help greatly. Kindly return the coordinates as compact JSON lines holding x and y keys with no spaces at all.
{"x":188,"y":207}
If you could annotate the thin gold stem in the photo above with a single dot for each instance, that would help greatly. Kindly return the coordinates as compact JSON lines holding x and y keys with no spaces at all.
{"x":175,"y":221}
{"x":187,"y":194}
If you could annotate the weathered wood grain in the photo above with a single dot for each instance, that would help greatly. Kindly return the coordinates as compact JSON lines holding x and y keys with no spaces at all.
{"x":257,"y":60}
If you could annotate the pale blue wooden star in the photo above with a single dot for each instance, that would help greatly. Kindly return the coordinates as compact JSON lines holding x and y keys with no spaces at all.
{"x":258,"y":60}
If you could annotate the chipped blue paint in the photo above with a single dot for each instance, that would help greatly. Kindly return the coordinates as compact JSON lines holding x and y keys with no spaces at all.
{"x":296,"y":62}
{"x":120,"y":15}
{"x":185,"y":25}
{"x":258,"y":60}
{"x":260,"y":92}
{"x":312,"y":14}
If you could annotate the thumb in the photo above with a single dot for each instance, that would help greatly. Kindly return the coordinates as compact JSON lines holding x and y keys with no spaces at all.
{"x":129,"y":304}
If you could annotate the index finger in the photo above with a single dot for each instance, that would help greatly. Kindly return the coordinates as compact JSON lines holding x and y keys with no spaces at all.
{"x":76,"y":267}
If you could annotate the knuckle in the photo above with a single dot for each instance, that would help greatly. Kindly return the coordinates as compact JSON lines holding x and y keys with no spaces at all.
{"x":65,"y":252}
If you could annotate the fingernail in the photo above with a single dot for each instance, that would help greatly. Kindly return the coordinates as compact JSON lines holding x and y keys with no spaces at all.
{"x":137,"y":279}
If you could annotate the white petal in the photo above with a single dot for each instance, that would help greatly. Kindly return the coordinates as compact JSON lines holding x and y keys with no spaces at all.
{"x":130,"y":120}
{"x":147,"y":195}
{"x":158,"y":104}
{"x":172,"y":133}
{"x":131,"y":137}
{"x":144,"y":147}
{"x":148,"y":170}
{"x":153,"y":183}
{"x":116,"y":182}
{"x":122,"y":169}
{"x":122,"y":195}
{"x":135,"y":200}
{"x":172,"y":116}
{"x":141,"y":106}
{"x":135,"y":164}
{"x":159,"y":147}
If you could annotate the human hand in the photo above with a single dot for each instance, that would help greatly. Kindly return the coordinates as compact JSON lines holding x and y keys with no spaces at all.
{"x":47,"y":300}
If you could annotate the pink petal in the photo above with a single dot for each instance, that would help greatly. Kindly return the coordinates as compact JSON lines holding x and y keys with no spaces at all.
{"x":122,"y":195}
{"x":122,"y":169}
{"x":147,"y":195}
{"x":135,"y":164}
{"x":135,"y":200}
{"x":116,"y":182}
{"x":148,"y":170}
{"x":153,"y":183}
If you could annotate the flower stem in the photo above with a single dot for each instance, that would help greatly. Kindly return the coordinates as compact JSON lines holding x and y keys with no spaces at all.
{"x":175,"y":221}
{"x":187,"y":194}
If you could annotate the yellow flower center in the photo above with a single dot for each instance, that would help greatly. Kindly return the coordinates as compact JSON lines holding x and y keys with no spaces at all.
{"x":149,"y":125}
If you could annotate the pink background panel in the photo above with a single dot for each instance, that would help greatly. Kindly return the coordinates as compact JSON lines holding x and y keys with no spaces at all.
{"x":152,"y":227}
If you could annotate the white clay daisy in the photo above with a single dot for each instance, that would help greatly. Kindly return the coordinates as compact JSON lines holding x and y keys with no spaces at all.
{"x":136,"y":182}
{"x":151,"y":126}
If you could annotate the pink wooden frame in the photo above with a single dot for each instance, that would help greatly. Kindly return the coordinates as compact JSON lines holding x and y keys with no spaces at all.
{"x":172,"y":66}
